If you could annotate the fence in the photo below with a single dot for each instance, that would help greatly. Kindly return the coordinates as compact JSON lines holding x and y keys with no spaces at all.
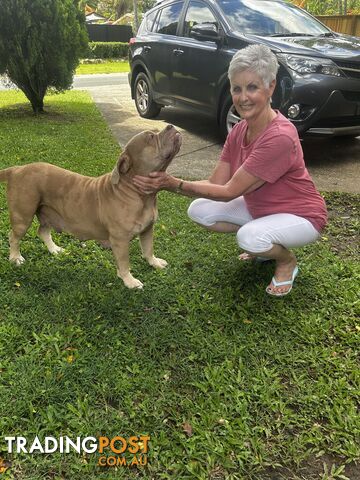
{"x":349,"y":24}
{"x":109,"y":33}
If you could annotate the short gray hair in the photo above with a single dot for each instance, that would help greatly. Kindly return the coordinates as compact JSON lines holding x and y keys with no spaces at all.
{"x":257,"y":58}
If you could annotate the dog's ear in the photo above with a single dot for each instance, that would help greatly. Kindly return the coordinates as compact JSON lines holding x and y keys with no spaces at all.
{"x":122,"y":166}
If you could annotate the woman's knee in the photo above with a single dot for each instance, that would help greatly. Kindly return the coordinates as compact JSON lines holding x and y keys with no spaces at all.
{"x":199,"y":211}
{"x":252,"y":240}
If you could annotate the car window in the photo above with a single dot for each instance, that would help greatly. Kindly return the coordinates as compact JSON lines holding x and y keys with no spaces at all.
{"x":269,"y":17}
{"x":150,"y":20}
{"x":147,"y":23}
{"x":196,"y":14}
{"x":169,"y":19}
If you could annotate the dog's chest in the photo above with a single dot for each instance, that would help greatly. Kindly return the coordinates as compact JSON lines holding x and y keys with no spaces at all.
{"x":147,"y":217}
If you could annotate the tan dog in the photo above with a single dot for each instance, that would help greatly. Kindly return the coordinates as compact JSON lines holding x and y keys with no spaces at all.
{"x":108,"y":208}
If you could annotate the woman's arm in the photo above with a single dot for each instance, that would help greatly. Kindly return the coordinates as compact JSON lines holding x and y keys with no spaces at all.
{"x":221,"y":173}
{"x":242,"y":182}
{"x":219,"y":176}
{"x":163,"y":181}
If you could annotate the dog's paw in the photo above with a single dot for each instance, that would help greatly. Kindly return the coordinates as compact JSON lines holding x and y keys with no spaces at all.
{"x":131,"y":282}
{"x":134,"y":283}
{"x":157,"y":262}
{"x":55,"y":250}
{"x":19,"y":260}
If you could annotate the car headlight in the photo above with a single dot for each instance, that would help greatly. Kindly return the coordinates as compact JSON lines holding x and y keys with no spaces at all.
{"x":304,"y":65}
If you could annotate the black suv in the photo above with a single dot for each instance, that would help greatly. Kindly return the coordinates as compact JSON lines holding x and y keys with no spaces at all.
{"x":181,"y":54}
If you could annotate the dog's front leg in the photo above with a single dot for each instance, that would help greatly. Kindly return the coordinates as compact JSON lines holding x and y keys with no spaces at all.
{"x":147,"y":248}
{"x":120,"y":248}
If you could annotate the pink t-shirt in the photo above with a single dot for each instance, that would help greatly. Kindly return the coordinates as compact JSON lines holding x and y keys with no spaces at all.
{"x":277,"y":158}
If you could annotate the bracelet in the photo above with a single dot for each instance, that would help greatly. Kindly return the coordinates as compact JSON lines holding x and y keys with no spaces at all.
{"x":179,"y":187}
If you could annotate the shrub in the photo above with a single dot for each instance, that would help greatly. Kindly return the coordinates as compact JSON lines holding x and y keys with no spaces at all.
{"x":41,"y":42}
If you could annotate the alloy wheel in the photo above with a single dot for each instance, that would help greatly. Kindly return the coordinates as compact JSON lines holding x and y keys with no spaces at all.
{"x":232,"y":118}
{"x":142,"y":95}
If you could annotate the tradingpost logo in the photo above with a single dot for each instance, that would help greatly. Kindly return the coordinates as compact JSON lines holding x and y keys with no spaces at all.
{"x":113,"y":451}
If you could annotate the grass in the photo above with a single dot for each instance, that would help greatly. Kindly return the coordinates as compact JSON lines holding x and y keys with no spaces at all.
{"x":228,"y":382}
{"x":107,"y":66}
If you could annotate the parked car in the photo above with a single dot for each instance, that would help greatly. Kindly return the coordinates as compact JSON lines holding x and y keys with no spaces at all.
{"x":182,"y":50}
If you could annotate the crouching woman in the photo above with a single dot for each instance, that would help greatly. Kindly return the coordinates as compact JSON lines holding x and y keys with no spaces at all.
{"x":260,"y":189}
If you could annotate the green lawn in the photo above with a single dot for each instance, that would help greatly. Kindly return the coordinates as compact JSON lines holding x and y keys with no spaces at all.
{"x":228,"y":382}
{"x":110,"y":66}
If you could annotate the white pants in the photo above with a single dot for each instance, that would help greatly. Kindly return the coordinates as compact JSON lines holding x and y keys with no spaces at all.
{"x":259,"y":235}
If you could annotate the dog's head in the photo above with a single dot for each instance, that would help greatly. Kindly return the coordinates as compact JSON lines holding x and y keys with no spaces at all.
{"x":148,"y":152}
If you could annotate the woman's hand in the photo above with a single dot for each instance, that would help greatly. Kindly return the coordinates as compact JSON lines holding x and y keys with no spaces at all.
{"x":154,"y":182}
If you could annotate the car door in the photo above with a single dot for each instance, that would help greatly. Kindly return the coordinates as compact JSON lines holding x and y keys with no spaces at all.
{"x":197,"y":65}
{"x":159,"y":46}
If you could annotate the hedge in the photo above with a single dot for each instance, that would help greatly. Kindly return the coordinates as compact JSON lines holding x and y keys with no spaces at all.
{"x":107,"y":50}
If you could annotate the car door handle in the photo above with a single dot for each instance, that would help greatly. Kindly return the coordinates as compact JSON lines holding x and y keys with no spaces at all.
{"x":178,"y":52}
{"x":147,"y":48}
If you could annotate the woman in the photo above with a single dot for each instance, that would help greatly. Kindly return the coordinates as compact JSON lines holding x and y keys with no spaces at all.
{"x":260,"y":188}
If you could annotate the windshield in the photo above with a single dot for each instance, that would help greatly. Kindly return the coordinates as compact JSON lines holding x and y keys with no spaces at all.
{"x":269,"y":17}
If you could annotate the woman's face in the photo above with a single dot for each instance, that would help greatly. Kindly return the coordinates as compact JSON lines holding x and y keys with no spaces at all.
{"x":250,"y":96}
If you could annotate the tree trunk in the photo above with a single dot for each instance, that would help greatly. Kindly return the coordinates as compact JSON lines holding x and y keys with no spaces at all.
{"x":37,"y":106}
{"x":35,"y":98}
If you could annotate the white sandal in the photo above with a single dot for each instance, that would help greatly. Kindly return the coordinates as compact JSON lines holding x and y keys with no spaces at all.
{"x":280,"y":284}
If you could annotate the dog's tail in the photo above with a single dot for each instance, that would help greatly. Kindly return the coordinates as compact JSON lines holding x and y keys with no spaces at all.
{"x":5,"y":174}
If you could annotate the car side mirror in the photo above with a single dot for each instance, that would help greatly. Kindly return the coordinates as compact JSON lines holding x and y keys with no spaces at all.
{"x":205,"y":31}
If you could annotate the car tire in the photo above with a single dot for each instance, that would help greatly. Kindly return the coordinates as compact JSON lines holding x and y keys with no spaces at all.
{"x":228,"y":116}
{"x":144,"y":102}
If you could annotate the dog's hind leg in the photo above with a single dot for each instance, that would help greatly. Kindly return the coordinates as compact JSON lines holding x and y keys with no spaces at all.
{"x":22,"y":210}
{"x":16,"y":234}
{"x":44,"y":232}
{"x":47,"y":217}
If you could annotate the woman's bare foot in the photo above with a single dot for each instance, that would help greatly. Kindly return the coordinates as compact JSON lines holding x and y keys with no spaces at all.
{"x":245,"y":257}
{"x":284,"y":272}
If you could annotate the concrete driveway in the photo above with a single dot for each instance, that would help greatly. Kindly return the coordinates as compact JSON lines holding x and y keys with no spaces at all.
{"x":334,"y":163}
